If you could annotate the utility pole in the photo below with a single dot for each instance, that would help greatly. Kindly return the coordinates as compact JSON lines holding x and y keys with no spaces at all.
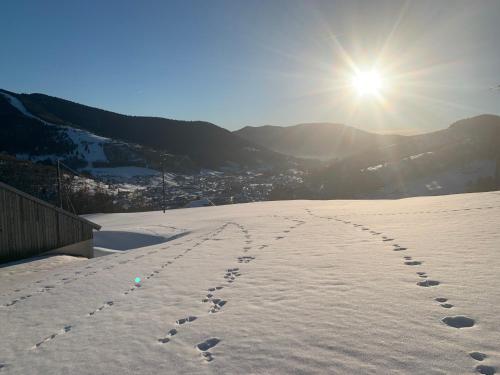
{"x":163,"y":182}
{"x":59,"y":187}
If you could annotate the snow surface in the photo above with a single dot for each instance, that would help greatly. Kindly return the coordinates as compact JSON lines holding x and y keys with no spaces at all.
{"x":16,"y":103}
{"x":407,"y":286}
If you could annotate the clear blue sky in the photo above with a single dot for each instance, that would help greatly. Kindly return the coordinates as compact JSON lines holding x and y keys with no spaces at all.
{"x":237,"y":63}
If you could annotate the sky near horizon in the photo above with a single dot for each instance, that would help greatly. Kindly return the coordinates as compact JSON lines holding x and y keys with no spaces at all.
{"x":239,"y":63}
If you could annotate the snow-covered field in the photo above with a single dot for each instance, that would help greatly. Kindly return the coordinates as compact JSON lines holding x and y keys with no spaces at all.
{"x":302,"y":287}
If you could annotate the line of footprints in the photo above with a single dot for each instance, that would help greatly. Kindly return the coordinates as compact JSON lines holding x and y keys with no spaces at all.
{"x":77,"y":275}
{"x":215,"y":304}
{"x":458,"y":321}
{"x":427,"y":212}
{"x":108,"y":304}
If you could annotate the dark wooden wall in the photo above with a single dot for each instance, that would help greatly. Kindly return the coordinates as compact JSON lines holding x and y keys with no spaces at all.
{"x":29,"y":226}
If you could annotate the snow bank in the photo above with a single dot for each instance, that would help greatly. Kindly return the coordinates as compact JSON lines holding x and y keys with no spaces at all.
{"x":302,"y":287}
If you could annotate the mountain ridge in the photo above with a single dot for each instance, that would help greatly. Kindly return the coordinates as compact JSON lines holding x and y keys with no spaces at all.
{"x":207,"y":144}
{"x":314,"y":140}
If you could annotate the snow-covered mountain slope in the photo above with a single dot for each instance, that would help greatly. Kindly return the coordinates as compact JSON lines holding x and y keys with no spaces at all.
{"x":453,"y":180}
{"x":89,"y":146}
{"x":193,"y":143}
{"x":301,"y":287}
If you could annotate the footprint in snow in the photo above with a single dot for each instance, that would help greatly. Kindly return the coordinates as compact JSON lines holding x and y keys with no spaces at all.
{"x":245,"y":259}
{"x":53,"y":336}
{"x":399,"y":248}
{"x":204,"y":346}
{"x":486,"y":370}
{"x":413,"y":263}
{"x":188,"y":319}
{"x":166,"y":339}
{"x":478,"y":356}
{"x":231,"y":274}
{"x":217,"y":304}
{"x":458,"y":321}
{"x":428,"y":283}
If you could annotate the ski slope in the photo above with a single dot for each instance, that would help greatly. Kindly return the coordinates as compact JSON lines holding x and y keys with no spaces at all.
{"x":407,"y":286}
{"x":89,"y":145}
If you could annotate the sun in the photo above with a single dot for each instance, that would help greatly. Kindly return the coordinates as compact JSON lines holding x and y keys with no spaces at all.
{"x":367,"y":83}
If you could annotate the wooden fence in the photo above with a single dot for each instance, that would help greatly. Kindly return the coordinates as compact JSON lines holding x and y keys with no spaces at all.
{"x":30,"y":226}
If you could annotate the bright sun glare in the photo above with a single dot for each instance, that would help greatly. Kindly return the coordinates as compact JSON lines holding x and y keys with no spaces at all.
{"x":367,"y":83}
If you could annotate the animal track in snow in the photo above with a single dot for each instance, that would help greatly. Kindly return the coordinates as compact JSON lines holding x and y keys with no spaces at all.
{"x":188,"y":319}
{"x":217,"y":304}
{"x":245,"y":259}
{"x":204,"y":346}
{"x":232,"y":274}
{"x":53,"y":336}
{"x":458,"y":321}
{"x":428,"y":283}
{"x":486,"y":370}
{"x":413,"y":263}
{"x":399,"y":248}
{"x":478,"y":356}
{"x":207,"y":344}
{"x":166,"y":339}
{"x":108,"y":303}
